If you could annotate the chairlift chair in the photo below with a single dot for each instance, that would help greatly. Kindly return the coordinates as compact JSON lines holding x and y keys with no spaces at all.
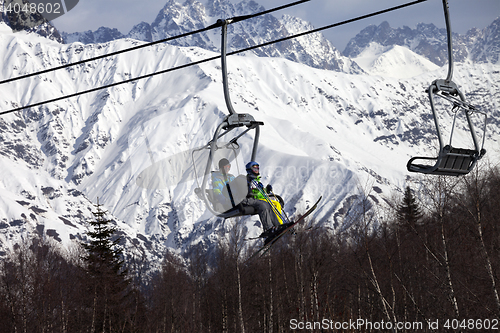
{"x":451,"y":161}
{"x":237,"y":190}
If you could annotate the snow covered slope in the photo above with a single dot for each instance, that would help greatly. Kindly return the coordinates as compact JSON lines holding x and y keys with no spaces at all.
{"x":393,"y":61}
{"x":338,"y":135}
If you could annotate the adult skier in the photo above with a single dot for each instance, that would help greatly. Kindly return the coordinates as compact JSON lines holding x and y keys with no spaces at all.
{"x":220,"y":181}
{"x":257,"y":200}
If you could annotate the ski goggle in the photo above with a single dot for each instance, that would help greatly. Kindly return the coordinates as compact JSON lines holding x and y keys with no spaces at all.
{"x":255,"y":167}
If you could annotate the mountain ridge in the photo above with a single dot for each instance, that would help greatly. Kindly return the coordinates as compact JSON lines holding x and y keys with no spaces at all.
{"x":175,"y":19}
{"x":477,"y":45}
{"x":427,"y":40}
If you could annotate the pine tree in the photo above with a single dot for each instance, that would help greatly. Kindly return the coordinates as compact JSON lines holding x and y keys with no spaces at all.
{"x":107,"y":277}
{"x":103,"y":253}
{"x":408,"y":211}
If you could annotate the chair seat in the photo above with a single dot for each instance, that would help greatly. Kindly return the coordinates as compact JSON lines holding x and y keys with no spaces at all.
{"x":238,"y":210}
{"x":450,"y":162}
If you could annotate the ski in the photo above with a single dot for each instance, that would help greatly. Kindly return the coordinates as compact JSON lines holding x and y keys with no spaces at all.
{"x":263,"y":250}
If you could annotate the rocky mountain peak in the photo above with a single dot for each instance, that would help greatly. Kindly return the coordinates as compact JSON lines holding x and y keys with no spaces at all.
{"x":175,"y":18}
{"x":486,"y":47}
{"x":426,"y":40}
{"x":431,"y":42}
{"x":101,"y":35}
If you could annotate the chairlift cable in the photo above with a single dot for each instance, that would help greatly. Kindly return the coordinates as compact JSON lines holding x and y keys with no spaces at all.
{"x":110,"y":85}
{"x":107,"y":55}
{"x":213,"y":26}
{"x":213,"y":58}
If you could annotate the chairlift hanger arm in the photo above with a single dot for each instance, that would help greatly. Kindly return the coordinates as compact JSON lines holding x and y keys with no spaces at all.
{"x":223,"y":24}
{"x":449,"y":38}
{"x":234,"y":119}
{"x":235,"y":139}
{"x":225,"y":83}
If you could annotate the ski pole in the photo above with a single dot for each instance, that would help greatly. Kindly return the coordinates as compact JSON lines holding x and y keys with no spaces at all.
{"x":269,"y":202}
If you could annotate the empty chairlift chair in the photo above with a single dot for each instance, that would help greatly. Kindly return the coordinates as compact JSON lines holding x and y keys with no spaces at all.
{"x":451,"y":161}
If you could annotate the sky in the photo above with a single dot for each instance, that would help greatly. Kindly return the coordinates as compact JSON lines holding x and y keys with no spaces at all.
{"x":464,"y":14}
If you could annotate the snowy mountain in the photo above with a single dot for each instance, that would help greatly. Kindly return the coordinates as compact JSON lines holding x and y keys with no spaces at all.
{"x":427,"y":40}
{"x":393,"y":61}
{"x":101,"y":35}
{"x":486,"y":47}
{"x":344,"y":136}
{"x":427,"y":43}
{"x":175,"y":19}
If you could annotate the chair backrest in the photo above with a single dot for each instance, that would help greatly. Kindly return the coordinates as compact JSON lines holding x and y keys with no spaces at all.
{"x":238,"y":190}
{"x":457,"y":159}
